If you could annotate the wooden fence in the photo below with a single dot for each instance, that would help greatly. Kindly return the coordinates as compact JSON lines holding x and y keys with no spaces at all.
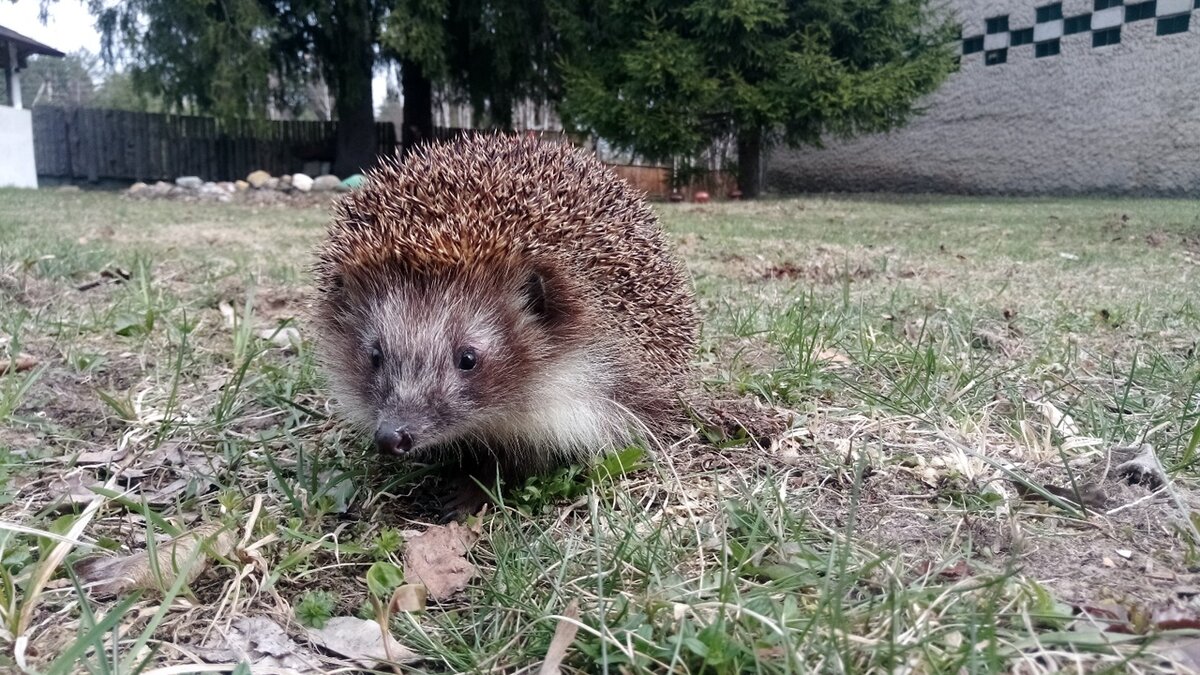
{"x":93,"y":145}
{"x":77,"y":144}
{"x":655,"y":181}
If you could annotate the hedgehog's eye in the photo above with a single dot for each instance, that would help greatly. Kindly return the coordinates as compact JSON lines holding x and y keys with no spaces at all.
{"x":467,"y":358}
{"x":376,"y":355}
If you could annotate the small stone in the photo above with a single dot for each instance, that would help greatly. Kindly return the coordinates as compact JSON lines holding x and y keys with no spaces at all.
{"x":326,"y":183}
{"x":302,"y":182}
{"x":137,"y":187}
{"x":161,"y":188}
{"x":271,"y":184}
{"x":189,"y":182}
{"x":213,"y":191}
{"x":241,"y":185}
{"x":257,"y":179}
{"x":353,"y":182}
{"x":285,"y":183}
{"x":226,"y":186}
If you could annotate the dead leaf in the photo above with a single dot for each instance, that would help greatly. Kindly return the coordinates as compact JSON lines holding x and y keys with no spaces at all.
{"x":1144,"y":469}
{"x":361,"y":641}
{"x":263,"y":644}
{"x":832,"y":356}
{"x":108,"y":456}
{"x":75,"y":488}
{"x":1064,"y":424}
{"x":1184,"y":654}
{"x":564,"y":635}
{"x":959,"y":570}
{"x":191,"y":551}
{"x":166,"y":494}
{"x":437,"y":559}
{"x":228,"y":313}
{"x":1058,"y":420}
{"x":20,"y":364}
{"x":287,"y":337}
{"x":408,"y":598}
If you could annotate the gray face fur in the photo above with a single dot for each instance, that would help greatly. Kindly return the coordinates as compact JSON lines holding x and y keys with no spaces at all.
{"x":430,"y":364}
{"x":441,"y":364}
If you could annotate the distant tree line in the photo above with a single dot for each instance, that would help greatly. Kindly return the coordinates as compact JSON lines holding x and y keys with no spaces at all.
{"x":661,"y":78}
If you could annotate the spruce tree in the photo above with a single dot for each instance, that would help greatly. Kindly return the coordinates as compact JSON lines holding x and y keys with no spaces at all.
{"x":666,"y":78}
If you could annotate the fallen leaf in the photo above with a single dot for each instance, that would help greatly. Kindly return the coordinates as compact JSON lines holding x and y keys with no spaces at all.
{"x":958,"y":570}
{"x":409,"y":598}
{"x":832,"y":356}
{"x":361,"y":641}
{"x":191,"y":551}
{"x":1184,"y":654}
{"x":228,"y":313}
{"x":1059,"y":421}
{"x":75,"y":488}
{"x":100,"y":456}
{"x":263,"y":644}
{"x":1124,"y":553}
{"x":287,"y":337}
{"x":564,"y":635}
{"x":437,"y":559}
{"x":20,"y":364}
{"x":1144,"y":469}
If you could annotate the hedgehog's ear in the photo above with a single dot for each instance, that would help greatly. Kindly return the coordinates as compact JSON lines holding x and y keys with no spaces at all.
{"x":534,"y":294}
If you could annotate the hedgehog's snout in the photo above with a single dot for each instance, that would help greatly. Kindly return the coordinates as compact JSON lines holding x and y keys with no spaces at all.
{"x":393,"y":438}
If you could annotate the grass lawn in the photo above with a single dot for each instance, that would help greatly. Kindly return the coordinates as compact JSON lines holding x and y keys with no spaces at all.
{"x":910,"y":452}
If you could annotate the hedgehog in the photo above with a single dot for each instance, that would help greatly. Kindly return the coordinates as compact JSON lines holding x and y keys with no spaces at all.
{"x":504,"y":306}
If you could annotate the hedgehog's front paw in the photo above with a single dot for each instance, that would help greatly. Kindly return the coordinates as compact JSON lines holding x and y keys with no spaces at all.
{"x":466,"y":498}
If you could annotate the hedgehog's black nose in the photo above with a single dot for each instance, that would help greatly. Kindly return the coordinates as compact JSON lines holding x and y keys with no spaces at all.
{"x":391,"y":439}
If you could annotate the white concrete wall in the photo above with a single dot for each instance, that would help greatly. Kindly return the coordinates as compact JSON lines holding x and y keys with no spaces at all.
{"x":17,"y":167}
{"x":1116,"y":119}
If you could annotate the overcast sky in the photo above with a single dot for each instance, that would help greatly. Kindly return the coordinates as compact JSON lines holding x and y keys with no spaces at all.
{"x":70,"y":28}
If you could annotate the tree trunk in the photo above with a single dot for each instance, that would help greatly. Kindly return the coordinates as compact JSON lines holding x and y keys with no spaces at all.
{"x":749,"y":153}
{"x":417,"y":91}
{"x":356,"y":143}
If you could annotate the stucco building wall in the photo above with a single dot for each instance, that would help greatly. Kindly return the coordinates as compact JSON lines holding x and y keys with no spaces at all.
{"x":1118,"y":118}
{"x":17,"y":167}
